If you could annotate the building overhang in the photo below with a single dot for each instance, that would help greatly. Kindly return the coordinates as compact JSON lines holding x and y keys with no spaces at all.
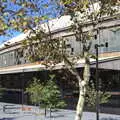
{"x":109,"y":64}
{"x":108,"y":61}
{"x":31,"y":67}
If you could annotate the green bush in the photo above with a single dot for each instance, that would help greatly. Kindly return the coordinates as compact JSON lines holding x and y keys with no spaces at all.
{"x":47,"y":94}
{"x":92,"y":94}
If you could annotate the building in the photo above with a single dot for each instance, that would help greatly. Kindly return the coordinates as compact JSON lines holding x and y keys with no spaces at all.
{"x":16,"y":71}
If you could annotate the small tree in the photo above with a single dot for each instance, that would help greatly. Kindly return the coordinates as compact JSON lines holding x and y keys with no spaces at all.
{"x":51,"y":94}
{"x":47,"y":95}
{"x":91,"y":94}
{"x":34,"y":90}
{"x":1,"y":92}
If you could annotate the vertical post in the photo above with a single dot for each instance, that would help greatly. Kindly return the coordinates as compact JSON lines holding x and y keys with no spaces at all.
{"x":45,"y":111}
{"x":97,"y":84}
{"x":97,"y":79}
{"x":22,"y":89}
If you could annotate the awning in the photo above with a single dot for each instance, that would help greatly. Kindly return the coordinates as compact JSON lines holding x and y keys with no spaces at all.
{"x":32,"y":67}
{"x":111,"y":64}
{"x":104,"y":63}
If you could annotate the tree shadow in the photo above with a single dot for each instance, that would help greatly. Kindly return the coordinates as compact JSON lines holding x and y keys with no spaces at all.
{"x":7,"y":119}
{"x":12,"y":112}
{"x":110,"y":118}
{"x":56,"y":116}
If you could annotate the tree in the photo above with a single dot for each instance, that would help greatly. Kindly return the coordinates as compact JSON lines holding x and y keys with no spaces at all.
{"x":25,"y":15}
{"x":91,"y":91}
{"x":53,"y":50}
{"x":1,"y":92}
{"x":81,"y":12}
{"x":34,"y":90}
{"x":45,"y":94}
{"x":51,"y":95}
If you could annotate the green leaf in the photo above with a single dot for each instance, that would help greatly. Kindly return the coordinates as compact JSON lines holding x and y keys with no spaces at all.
{"x":47,"y":94}
{"x":45,"y":5}
{"x":44,"y":17}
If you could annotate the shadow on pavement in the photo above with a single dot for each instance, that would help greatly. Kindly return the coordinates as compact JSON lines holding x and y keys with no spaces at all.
{"x":56,"y":116}
{"x":110,"y":118}
{"x":7,"y":119}
{"x":9,"y":112}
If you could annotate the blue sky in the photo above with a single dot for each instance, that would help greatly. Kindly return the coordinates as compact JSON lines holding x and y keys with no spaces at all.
{"x":13,"y":33}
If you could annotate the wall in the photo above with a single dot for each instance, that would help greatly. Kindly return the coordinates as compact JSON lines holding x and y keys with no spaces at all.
{"x":110,"y":35}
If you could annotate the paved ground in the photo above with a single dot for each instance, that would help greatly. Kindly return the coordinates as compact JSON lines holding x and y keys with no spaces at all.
{"x":16,"y":112}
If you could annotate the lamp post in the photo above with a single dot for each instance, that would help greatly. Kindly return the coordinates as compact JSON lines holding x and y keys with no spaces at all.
{"x":97,"y":79}
{"x":22,"y":94}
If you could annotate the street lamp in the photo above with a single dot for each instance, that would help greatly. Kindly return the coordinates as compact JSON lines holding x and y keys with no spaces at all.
{"x":97,"y":80}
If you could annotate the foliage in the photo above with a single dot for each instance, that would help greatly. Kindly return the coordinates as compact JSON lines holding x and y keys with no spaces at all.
{"x":47,"y":95}
{"x":81,"y":12}
{"x":53,"y":50}
{"x":24,"y":15}
{"x":91,"y":96}
{"x":48,"y":50}
{"x":34,"y":90}
{"x":1,"y":92}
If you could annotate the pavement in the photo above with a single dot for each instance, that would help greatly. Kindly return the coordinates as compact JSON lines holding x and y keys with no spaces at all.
{"x":24,"y":112}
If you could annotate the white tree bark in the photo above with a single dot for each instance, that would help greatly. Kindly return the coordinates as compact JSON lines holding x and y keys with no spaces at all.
{"x":82,"y":83}
{"x":80,"y":106}
{"x":82,"y":92}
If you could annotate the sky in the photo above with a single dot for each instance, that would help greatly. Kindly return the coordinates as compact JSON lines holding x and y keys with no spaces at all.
{"x":13,"y":33}
{"x":4,"y":38}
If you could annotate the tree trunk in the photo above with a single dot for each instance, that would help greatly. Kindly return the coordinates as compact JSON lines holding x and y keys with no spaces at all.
{"x":79,"y":108}
{"x":45,"y":111}
{"x":82,"y":92}
{"x":50,"y":112}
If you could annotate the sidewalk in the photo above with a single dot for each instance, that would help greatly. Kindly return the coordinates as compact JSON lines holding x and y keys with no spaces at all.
{"x":14,"y":112}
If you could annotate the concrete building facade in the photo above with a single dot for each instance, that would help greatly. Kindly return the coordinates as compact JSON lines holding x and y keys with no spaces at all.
{"x":16,"y":71}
